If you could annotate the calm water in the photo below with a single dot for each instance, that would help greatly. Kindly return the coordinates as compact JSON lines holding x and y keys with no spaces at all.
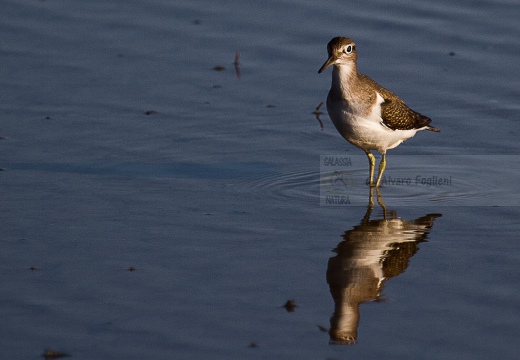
{"x":159,"y":202}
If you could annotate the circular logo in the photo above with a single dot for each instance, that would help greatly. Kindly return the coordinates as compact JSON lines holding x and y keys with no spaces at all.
{"x":337,"y":181}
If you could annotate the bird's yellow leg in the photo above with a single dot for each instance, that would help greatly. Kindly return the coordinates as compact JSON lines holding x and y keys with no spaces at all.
{"x":372,"y":162}
{"x":382,"y":166}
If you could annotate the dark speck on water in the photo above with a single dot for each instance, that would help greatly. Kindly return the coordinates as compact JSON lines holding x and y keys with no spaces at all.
{"x":323,"y":328}
{"x":290,"y":306}
{"x":53,"y":354}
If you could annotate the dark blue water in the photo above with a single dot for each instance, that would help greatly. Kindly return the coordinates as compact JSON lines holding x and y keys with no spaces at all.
{"x":155,"y":205}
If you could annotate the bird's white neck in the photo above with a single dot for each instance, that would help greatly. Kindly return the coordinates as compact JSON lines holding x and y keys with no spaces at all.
{"x":344,"y":77}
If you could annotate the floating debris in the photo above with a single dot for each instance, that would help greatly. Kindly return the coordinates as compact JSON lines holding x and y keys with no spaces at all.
{"x":236,"y":63}
{"x":217,"y":86}
{"x":131,"y":269}
{"x":323,"y":328}
{"x":317,"y":112}
{"x":270,"y":106}
{"x":452,"y":53}
{"x":219,"y":68}
{"x":196,"y":22}
{"x":32,"y":268}
{"x":253,"y":345}
{"x":53,"y":354}
{"x":290,"y":305}
{"x":150,"y":112}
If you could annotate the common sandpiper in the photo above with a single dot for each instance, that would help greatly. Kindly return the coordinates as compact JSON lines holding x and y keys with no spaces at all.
{"x":366,"y":114}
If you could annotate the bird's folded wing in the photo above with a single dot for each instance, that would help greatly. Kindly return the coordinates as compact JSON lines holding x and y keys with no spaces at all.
{"x":397,"y":116}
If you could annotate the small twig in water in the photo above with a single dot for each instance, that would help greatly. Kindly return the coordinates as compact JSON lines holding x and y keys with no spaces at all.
{"x":237,"y":63}
{"x":317,"y":113}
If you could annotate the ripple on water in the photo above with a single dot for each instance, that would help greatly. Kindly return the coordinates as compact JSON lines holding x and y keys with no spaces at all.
{"x":472,"y":180}
{"x":408,"y":181}
{"x":294,"y":186}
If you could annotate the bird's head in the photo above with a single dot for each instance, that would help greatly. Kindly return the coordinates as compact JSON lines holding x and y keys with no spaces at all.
{"x":342,"y":51}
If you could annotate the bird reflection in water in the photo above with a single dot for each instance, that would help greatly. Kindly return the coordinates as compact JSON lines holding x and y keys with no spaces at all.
{"x":370,"y":254}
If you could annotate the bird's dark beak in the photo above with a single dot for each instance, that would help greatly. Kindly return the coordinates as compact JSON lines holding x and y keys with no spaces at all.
{"x":328,"y":63}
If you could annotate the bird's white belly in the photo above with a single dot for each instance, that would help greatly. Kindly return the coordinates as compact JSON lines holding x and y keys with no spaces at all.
{"x":366,"y":132}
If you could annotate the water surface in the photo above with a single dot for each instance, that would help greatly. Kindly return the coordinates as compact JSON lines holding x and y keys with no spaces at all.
{"x":155,"y":205}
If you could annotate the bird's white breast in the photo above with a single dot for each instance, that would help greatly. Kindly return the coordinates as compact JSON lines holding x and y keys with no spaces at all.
{"x":365,"y":129}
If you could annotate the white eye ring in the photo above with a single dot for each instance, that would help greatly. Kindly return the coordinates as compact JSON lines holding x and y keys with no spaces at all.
{"x":348,"y":49}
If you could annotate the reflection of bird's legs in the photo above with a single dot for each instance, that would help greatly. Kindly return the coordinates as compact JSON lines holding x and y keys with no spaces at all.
{"x":370,"y":206}
{"x":372,"y":162}
{"x":380,"y":202}
{"x":382,"y":166}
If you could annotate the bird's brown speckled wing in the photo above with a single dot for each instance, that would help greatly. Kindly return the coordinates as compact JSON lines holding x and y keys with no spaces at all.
{"x":397,"y":116}
{"x":395,"y":113}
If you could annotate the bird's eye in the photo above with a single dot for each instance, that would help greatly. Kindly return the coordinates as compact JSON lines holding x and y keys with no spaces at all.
{"x":348,"y":49}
